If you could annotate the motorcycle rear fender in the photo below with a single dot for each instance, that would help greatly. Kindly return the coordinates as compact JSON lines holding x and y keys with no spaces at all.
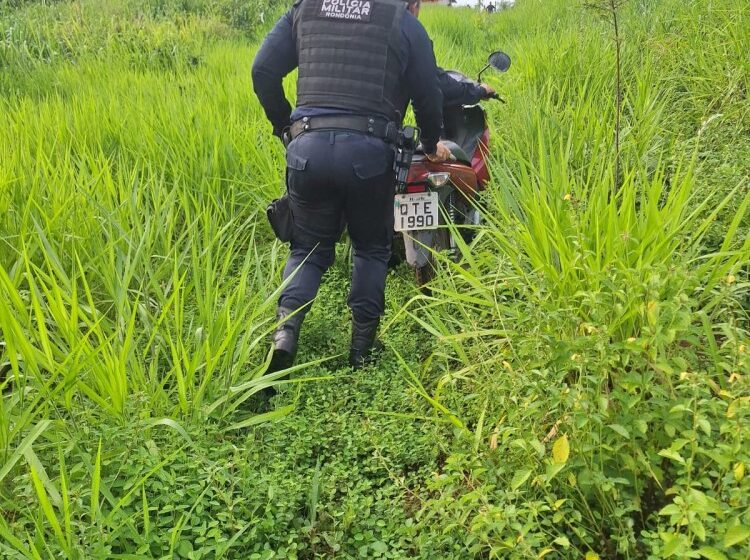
{"x":416,"y":244}
{"x":463,"y":177}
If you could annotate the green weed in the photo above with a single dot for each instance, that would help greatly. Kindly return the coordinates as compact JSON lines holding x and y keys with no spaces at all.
{"x":577,"y":386}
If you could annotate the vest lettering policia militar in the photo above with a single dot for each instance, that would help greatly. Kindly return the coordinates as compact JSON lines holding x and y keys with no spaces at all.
{"x":348,"y":53}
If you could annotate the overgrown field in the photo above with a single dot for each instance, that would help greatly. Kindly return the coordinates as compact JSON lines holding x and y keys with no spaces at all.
{"x":578,"y":386}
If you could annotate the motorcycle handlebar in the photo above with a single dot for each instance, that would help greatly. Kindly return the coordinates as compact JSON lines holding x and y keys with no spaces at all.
{"x":496,"y":96}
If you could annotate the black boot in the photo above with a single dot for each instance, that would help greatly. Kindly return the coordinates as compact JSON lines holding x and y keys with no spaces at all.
{"x":285,"y":339}
{"x":365,"y":347}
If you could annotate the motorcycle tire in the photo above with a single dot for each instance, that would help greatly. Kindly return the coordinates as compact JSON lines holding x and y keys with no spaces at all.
{"x":423,"y":275}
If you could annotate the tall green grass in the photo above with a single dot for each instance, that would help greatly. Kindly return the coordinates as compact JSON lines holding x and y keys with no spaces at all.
{"x":591,"y":350}
{"x":136,"y":279}
{"x":594,"y":346}
{"x":132,"y":226}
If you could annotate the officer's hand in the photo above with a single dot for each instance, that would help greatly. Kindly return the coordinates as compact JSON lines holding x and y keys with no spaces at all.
{"x":489,"y":91}
{"x":442,"y":153}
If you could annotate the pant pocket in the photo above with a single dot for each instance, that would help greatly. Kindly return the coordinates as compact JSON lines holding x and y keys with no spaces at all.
{"x":368,"y":169}
{"x":296,"y":162}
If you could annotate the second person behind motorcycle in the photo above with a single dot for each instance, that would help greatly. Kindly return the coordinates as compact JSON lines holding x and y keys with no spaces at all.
{"x":455,"y":92}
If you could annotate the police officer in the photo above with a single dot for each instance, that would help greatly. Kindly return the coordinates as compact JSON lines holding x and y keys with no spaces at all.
{"x":360,"y":63}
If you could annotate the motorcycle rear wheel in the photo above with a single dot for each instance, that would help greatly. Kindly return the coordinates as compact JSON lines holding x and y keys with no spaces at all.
{"x":423,"y":275}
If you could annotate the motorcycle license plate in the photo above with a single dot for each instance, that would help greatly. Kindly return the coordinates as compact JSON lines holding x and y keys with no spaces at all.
{"x":416,"y":211}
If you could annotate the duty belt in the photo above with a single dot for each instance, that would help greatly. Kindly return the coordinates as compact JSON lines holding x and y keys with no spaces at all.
{"x":379,"y":128}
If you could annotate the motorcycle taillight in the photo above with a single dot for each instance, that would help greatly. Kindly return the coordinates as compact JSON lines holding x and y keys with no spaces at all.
{"x":416,"y":188}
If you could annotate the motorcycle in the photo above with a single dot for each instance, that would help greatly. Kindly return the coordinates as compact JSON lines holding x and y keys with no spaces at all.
{"x":438,"y":193}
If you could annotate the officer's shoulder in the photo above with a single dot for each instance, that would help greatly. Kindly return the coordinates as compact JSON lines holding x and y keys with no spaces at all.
{"x":412,"y":28}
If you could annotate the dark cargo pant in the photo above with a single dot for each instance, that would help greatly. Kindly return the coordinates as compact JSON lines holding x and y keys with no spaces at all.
{"x":338,"y":179}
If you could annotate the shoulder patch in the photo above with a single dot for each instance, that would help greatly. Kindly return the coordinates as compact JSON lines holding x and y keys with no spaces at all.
{"x":346,"y":10}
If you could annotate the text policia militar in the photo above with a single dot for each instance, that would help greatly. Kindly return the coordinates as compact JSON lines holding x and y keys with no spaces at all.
{"x":352,"y":10}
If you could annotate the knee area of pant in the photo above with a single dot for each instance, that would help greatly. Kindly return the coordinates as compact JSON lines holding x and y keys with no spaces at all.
{"x":372,"y":252}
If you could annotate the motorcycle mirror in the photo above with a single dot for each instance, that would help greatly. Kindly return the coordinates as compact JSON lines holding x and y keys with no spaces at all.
{"x":497,"y":60}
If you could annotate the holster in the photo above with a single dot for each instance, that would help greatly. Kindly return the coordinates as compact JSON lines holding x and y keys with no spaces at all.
{"x":404,"y":149}
{"x":279,"y":214}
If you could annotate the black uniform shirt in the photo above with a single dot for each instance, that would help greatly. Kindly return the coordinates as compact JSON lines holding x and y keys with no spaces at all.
{"x":277,"y":57}
{"x":456,"y":93}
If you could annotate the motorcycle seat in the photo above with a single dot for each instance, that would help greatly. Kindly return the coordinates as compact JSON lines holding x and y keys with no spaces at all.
{"x":457,"y":152}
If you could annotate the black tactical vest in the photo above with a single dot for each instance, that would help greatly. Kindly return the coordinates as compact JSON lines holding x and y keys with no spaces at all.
{"x":349,"y":55}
